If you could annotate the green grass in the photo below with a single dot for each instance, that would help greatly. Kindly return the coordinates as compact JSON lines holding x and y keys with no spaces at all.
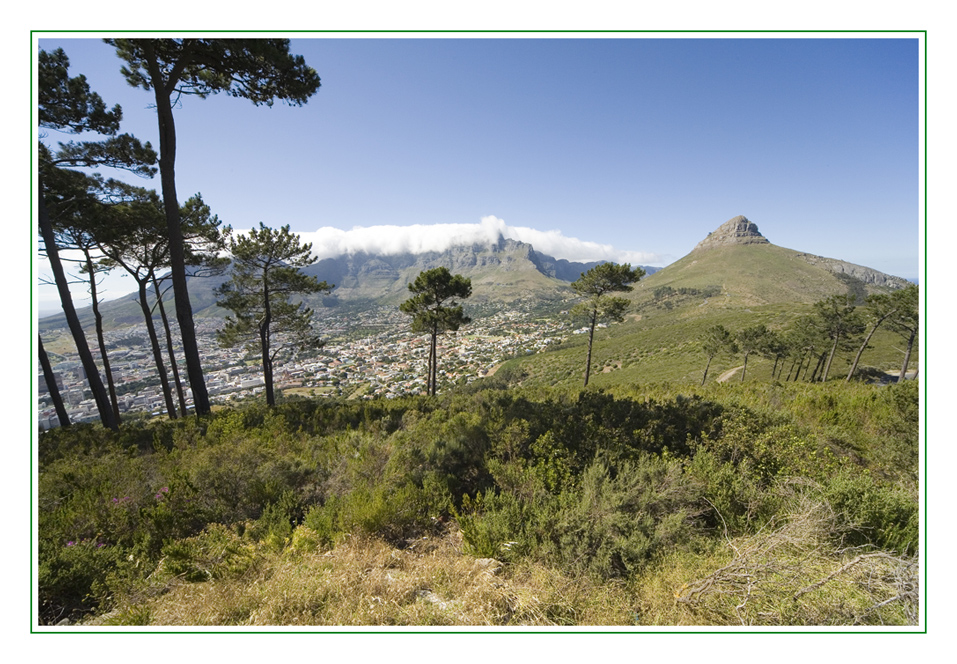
{"x":656,"y":345}
{"x":748,"y":275}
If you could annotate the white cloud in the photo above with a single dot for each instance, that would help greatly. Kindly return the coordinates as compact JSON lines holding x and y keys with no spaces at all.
{"x":328,"y":242}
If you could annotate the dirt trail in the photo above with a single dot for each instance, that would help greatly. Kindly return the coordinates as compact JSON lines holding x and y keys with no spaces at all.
{"x":727,"y":374}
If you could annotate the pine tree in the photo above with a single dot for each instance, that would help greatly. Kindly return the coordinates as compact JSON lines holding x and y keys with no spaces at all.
{"x":265,"y":275}
{"x":434,"y":310}
{"x":838,"y":318}
{"x":717,"y":340}
{"x":750,"y":339}
{"x":595,"y":286}
{"x":67,"y":104}
{"x":260,"y":70}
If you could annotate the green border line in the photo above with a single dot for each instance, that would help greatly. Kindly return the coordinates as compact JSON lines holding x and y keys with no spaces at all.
{"x":624,"y":630}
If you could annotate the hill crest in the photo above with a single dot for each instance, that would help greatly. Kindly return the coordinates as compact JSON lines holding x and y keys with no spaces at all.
{"x":750,"y":270}
{"x":738,"y":230}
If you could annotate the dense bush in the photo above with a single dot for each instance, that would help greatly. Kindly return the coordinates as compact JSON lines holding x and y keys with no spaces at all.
{"x":592,"y":483}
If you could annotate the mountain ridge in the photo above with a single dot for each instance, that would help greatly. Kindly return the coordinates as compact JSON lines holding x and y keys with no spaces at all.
{"x":506,"y":270}
{"x":748,"y":266}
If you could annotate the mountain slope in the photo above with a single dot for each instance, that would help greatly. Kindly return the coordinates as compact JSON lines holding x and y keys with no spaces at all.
{"x":751,"y":271}
{"x":734,"y":277}
{"x":506,"y":271}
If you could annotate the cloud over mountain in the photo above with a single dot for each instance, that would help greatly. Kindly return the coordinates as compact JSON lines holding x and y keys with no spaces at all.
{"x":328,"y":242}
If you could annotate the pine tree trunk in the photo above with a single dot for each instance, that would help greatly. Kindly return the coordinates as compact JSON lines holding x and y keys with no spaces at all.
{"x":50,"y":378}
{"x":744,"y":370}
{"x":910,"y":345}
{"x":817,"y":367}
{"x":157,"y":353}
{"x":791,"y":370}
{"x":264,"y":343}
{"x":167,"y":161}
{"x":434,"y":370}
{"x":707,"y":366}
{"x":830,"y":358}
{"x":169,"y":349}
{"x":809,"y":356}
{"x":98,"y":318}
{"x":73,"y":321}
{"x":860,"y":351}
{"x":591,"y":337}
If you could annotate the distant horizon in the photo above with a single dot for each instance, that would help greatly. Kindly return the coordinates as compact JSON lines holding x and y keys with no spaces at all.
{"x":439,"y":237}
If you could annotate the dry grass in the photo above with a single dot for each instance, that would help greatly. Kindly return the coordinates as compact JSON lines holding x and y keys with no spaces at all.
{"x":365,"y":581}
{"x":790,"y":573}
{"x":794,"y":572}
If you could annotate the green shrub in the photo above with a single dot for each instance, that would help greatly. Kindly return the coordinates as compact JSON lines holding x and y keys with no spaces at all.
{"x":619,"y":517}
{"x":72,"y":577}
{"x":737,"y":497}
{"x":277,"y":521}
{"x":216,"y":553}
{"x":394,"y":514}
{"x":874,"y":513}
{"x":501,"y":525}
{"x":624,"y":515}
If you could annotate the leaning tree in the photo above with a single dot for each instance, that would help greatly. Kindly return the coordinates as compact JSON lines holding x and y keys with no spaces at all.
{"x":131,"y":235}
{"x":841,"y":323}
{"x":881,"y":306}
{"x":906,"y":321}
{"x":717,"y":339}
{"x":72,"y":205}
{"x":68,"y":105}
{"x":749,"y":340}
{"x":596,"y":286}
{"x":434,"y":310}
{"x":260,"y":70}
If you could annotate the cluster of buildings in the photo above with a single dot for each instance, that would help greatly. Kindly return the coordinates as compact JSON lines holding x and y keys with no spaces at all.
{"x":367,"y":355}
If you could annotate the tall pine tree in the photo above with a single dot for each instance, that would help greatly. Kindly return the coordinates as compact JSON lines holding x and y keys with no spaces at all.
{"x":260,"y":70}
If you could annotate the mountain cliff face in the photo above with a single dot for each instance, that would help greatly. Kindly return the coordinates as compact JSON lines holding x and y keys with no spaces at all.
{"x":865,"y":274}
{"x":732,"y":232}
{"x":506,"y":270}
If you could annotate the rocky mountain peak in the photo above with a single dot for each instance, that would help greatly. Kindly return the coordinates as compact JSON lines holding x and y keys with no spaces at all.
{"x":734,"y":231}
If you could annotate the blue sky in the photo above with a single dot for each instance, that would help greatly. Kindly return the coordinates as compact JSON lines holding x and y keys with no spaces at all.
{"x":641,"y":146}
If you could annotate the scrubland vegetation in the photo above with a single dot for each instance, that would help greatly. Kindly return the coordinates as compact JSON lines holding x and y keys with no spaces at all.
{"x":732,"y":504}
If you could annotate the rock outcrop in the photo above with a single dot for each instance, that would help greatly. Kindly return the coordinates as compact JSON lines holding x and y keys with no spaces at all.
{"x":865,"y":274}
{"x":734,"y":231}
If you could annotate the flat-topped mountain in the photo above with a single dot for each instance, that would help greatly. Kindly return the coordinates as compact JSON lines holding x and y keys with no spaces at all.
{"x":505,"y":271}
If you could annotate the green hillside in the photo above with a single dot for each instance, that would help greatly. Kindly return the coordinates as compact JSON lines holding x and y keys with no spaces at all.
{"x":748,"y":275}
{"x":666,"y":347}
{"x":736,"y":282}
